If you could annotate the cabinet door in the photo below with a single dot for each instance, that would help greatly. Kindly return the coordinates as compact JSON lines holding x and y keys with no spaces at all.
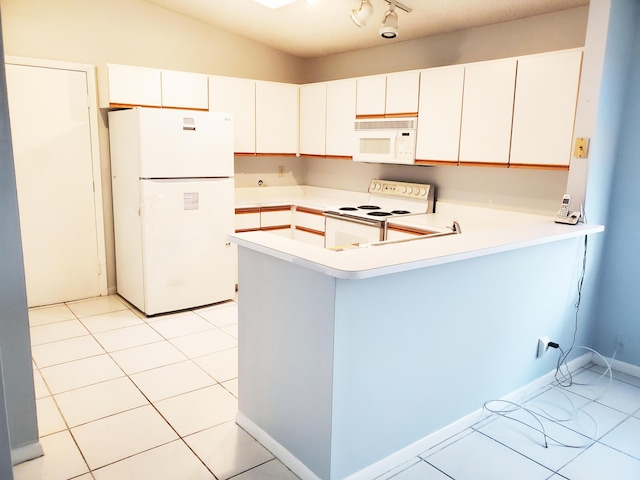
{"x":185,"y":90}
{"x":341,"y":113}
{"x":544,"y":110}
{"x":236,"y":96}
{"x":309,"y":219}
{"x":280,"y":216}
{"x":402,"y":93}
{"x":487,"y":110}
{"x":128,"y":85}
{"x":247,"y":219}
{"x":440,"y":114}
{"x":276,"y":117}
{"x":371,"y":95}
{"x":313,"y":116}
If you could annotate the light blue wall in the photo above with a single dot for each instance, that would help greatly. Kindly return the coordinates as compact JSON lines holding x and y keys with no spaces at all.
{"x":14,"y":322}
{"x":418,"y":350}
{"x":617,"y":308}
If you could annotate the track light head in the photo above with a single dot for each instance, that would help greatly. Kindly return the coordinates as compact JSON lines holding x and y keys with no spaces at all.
{"x":362,"y":14}
{"x":389,"y":27}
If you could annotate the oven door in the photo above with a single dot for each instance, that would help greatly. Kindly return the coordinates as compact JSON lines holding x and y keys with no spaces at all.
{"x":341,"y":231}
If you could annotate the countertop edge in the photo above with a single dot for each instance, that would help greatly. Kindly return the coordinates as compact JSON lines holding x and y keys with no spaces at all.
{"x":362,"y":263}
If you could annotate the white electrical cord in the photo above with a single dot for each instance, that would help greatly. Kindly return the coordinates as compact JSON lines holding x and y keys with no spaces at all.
{"x":538,"y":413}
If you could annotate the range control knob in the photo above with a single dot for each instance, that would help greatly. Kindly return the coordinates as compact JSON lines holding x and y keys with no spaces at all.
{"x":403,"y":189}
{"x":409,"y":190}
{"x":423,"y":192}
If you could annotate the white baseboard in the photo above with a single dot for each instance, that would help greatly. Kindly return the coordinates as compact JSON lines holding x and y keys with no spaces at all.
{"x":411,"y":451}
{"x":618,"y":366}
{"x":28,"y":452}
{"x":280,"y":452}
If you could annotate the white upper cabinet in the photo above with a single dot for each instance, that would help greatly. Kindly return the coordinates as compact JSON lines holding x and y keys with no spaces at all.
{"x":438,"y":136}
{"x":124,"y":85}
{"x":487,"y":110}
{"x":544,"y":110}
{"x":276,"y":118}
{"x":238,"y":97}
{"x":402,"y":93}
{"x":392,"y":94}
{"x":371,"y":95}
{"x":185,"y":90}
{"x":341,"y":113}
{"x":313,"y":118}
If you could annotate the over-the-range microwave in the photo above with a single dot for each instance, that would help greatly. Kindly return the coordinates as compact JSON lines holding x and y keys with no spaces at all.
{"x":385,"y":140}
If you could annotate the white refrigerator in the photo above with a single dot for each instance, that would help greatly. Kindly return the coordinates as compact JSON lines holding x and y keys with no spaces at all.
{"x":173,"y":207}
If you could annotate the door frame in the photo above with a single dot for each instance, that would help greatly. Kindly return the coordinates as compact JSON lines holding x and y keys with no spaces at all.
{"x":92,"y":104}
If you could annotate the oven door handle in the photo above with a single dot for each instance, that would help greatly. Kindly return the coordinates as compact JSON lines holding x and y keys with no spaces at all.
{"x":362,"y":221}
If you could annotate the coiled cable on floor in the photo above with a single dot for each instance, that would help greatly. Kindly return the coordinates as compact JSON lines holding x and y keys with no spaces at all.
{"x":538,"y":413}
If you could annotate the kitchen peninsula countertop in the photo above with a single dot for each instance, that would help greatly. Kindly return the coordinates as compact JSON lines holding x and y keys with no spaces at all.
{"x":485,"y":231}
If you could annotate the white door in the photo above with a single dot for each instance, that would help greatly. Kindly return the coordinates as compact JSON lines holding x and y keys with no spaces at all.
{"x":187,"y":259}
{"x":50,"y":129}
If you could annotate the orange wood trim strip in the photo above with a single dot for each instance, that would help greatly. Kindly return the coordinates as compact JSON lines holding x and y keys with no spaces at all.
{"x":186,"y":108}
{"x":484,"y":164}
{"x":310,"y":230}
{"x":400,"y":115}
{"x":403,"y":229}
{"x":451,"y":163}
{"x":275,"y":227}
{"x":540,"y":167}
{"x":339,"y":157}
{"x":276,"y":208}
{"x":130,"y":105}
{"x":276,"y":154}
{"x":244,"y":230}
{"x":245,"y":154}
{"x":310,"y":210}
{"x":369,"y":115}
{"x":243,"y":210}
{"x":312,"y":155}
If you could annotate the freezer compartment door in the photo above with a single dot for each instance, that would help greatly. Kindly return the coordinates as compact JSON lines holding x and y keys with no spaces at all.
{"x":184,"y":143}
{"x":187,"y":260}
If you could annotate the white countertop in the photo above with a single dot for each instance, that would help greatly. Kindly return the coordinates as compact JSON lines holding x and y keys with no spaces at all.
{"x":484,"y":231}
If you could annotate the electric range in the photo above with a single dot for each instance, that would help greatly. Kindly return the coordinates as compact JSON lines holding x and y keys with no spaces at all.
{"x":366,"y":223}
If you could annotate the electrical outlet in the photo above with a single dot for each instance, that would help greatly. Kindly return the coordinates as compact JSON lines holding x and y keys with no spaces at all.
{"x":621,"y":343}
{"x":543,"y":345}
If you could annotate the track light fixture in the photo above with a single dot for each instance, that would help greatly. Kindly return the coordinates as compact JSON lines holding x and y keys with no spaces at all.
{"x":389,"y":28}
{"x":362,"y":14}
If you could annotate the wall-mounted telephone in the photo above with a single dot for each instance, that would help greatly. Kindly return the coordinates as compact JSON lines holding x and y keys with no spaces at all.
{"x":566,"y":216}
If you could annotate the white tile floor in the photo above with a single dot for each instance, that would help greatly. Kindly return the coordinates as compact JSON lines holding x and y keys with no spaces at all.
{"x":121,"y":397}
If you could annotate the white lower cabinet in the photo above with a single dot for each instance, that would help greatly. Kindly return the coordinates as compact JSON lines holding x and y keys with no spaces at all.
{"x":247,"y":219}
{"x":312,"y":238}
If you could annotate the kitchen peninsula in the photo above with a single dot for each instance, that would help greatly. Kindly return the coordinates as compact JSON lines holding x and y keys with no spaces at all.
{"x":350,"y":359}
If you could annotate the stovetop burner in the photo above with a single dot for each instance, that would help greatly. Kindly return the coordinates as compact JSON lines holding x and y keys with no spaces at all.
{"x":348,"y":209}
{"x":400,"y":212}
{"x":379,"y":214}
{"x":369,"y":207}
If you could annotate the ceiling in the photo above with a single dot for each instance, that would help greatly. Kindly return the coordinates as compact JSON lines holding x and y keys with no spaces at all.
{"x":325,"y":28}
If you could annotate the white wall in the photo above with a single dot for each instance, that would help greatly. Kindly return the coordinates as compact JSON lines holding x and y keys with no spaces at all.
{"x":542,"y":33}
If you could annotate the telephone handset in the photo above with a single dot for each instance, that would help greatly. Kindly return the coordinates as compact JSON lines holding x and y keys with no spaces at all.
{"x":566,"y":216}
